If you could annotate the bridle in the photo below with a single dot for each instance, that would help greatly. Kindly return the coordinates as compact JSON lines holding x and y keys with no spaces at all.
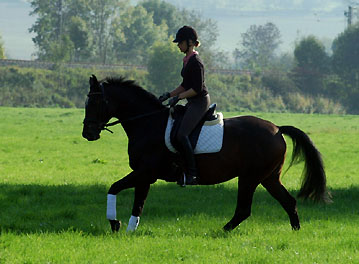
{"x":105,"y":125}
{"x":95,"y":122}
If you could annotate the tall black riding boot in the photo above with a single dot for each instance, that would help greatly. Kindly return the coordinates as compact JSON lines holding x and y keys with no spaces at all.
{"x":190,"y":163}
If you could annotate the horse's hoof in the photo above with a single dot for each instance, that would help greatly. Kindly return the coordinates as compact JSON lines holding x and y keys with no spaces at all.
{"x":115,"y":225}
{"x":228,"y":227}
{"x":191,"y":181}
{"x":296,"y":227}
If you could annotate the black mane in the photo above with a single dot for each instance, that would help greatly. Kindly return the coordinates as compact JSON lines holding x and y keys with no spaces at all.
{"x":122,"y":83}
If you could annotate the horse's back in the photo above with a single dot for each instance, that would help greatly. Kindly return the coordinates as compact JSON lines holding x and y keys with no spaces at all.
{"x":250,"y":124}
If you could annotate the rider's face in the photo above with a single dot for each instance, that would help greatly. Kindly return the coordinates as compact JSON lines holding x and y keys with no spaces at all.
{"x":182,"y":45}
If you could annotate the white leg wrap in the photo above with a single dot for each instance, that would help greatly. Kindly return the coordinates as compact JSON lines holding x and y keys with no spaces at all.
{"x":111,"y":207}
{"x":133,"y":223}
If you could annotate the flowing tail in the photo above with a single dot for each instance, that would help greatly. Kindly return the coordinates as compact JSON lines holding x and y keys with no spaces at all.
{"x":314,"y":179}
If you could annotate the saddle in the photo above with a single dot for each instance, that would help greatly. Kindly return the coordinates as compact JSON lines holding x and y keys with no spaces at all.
{"x":177,"y":114}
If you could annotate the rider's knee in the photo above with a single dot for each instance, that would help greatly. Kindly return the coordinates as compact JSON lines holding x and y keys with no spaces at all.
{"x":180,"y":137}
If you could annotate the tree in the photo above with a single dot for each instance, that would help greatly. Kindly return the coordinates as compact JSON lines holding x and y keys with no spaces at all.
{"x":346,"y":52}
{"x":2,"y":49}
{"x":164,"y":66}
{"x":174,"y":18}
{"x":49,"y":24}
{"x":345,"y":60}
{"x":61,"y":51}
{"x":218,"y":60}
{"x":80,"y":37}
{"x":310,"y":54}
{"x":311,"y":65}
{"x":258,"y":46}
{"x":102,"y":16}
{"x":134,"y":34}
{"x":109,"y":31}
{"x":163,"y":12}
{"x":84,"y":23}
{"x":284,"y":62}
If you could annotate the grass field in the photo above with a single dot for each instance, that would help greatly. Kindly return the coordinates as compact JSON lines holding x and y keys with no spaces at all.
{"x":53,"y":186}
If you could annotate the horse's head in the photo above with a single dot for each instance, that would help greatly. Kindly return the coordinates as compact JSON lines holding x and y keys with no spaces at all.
{"x":116,"y":97}
{"x":96,"y":111}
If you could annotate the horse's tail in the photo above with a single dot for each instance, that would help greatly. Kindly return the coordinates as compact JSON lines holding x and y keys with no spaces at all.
{"x":314,"y":179}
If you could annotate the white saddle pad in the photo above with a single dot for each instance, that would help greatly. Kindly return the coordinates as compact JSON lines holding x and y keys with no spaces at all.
{"x":210,"y":138}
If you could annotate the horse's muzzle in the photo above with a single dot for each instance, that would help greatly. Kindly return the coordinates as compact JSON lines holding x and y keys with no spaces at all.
{"x":90,"y":134}
{"x":90,"y":137}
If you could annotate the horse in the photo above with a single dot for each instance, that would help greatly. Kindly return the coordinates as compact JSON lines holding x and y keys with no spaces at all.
{"x":253,"y":150}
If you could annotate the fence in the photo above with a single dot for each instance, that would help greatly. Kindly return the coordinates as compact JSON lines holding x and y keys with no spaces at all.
{"x":51,"y":65}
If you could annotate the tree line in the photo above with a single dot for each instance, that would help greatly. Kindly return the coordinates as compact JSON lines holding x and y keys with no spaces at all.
{"x":109,"y":31}
{"x":311,"y":79}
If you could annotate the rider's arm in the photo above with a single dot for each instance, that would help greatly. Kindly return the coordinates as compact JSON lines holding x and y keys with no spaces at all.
{"x":182,"y":93}
{"x":177,"y":91}
{"x":187,"y":94}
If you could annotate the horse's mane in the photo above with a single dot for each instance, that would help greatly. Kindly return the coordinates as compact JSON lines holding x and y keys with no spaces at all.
{"x":125,"y":84}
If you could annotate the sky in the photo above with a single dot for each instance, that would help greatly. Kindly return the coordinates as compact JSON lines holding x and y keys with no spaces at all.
{"x":294,"y":18}
{"x":14,"y":24}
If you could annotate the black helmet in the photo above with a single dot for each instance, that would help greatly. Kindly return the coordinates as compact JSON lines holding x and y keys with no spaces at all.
{"x":186,"y":33}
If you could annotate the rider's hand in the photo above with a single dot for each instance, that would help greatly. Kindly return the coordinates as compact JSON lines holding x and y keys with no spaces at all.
{"x":164,"y":97}
{"x":173,"y":101}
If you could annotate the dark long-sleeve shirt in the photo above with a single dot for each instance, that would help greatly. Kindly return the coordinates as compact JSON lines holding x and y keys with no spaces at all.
{"x":193,"y":76}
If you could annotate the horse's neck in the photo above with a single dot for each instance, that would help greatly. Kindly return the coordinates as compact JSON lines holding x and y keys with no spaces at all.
{"x":143,"y":124}
{"x":137,"y":113}
{"x":136,"y":106}
{"x":136,"y":110}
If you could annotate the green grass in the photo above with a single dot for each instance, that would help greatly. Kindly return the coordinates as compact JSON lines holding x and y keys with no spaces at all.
{"x":53,"y":186}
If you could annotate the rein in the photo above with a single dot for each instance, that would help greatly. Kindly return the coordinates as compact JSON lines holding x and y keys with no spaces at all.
{"x":130,"y":119}
{"x":105,"y":126}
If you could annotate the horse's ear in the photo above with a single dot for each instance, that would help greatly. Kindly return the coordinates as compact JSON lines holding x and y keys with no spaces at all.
{"x":93,"y":80}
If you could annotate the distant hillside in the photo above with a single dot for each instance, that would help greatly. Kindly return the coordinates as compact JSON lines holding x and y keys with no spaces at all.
{"x":295,"y":19}
{"x":328,"y":6}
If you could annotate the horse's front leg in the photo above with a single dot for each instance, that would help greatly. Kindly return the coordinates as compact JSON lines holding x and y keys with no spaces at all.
{"x":134,"y":179}
{"x":124,"y":183}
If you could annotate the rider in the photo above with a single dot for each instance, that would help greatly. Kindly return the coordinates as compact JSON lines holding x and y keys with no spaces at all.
{"x":192,"y":88}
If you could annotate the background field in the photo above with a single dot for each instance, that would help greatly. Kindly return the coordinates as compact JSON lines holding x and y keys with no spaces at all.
{"x":53,"y":186}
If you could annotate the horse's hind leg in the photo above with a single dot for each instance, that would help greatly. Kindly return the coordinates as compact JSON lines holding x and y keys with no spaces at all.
{"x":141,"y":192}
{"x":244,"y":203}
{"x":280,"y":193}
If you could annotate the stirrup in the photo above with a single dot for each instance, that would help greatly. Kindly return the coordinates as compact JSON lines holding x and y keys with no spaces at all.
{"x":183,"y":181}
{"x":191,"y":180}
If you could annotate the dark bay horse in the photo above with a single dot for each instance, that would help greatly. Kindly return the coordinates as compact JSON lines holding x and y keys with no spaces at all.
{"x":253,"y":151}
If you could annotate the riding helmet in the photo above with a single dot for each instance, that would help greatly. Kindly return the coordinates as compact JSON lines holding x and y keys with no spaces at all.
{"x":186,"y":33}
